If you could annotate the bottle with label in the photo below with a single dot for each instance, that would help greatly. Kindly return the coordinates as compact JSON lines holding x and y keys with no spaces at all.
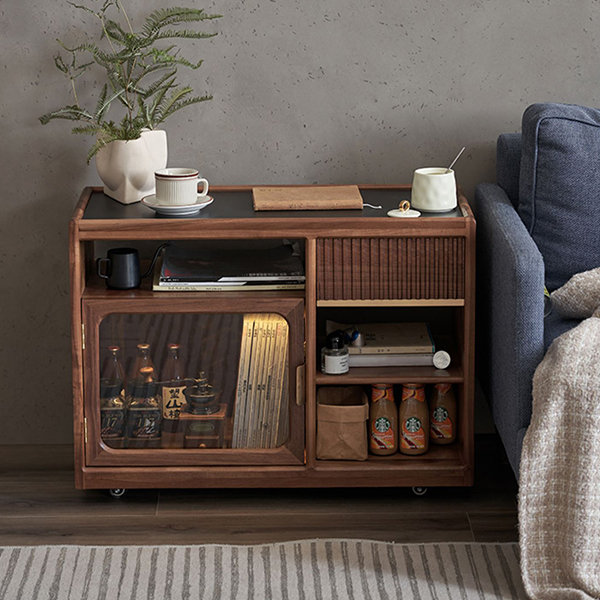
{"x":142,"y":360}
{"x":172,"y":395}
{"x":383,"y":417}
{"x":414,"y":420}
{"x":334,"y":356}
{"x":112,"y":405}
{"x":144,"y":412}
{"x":442,"y":414}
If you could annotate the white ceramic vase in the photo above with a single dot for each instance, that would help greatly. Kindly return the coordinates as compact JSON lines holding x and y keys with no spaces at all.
{"x":127,"y":167}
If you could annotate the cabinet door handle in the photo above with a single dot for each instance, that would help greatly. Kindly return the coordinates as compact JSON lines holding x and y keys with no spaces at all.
{"x":300,"y":384}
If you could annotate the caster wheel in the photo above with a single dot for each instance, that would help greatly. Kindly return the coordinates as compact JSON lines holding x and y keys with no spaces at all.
{"x":419,"y":491}
{"x":117,"y":492}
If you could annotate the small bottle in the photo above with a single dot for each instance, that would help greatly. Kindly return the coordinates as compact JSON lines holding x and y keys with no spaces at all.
{"x":334,"y":356}
{"x":172,"y":393}
{"x":142,"y":360}
{"x":112,"y":372}
{"x":414,"y":420}
{"x":442,"y":414}
{"x":112,"y":405}
{"x":144,"y":412}
{"x":383,"y":420}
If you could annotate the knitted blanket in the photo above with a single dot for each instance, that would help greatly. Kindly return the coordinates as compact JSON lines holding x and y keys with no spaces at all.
{"x":559,"y":488}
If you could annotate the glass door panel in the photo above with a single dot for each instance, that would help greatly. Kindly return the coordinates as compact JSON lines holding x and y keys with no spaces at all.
{"x":194,"y":386}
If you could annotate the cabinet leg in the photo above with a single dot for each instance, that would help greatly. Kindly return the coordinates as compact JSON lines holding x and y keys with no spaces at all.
{"x":117,"y":492}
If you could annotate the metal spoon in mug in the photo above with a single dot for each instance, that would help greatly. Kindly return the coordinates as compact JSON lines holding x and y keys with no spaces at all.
{"x":454,"y":161}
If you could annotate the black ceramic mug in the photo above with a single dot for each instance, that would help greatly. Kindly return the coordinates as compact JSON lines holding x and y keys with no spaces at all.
{"x":122,"y":270}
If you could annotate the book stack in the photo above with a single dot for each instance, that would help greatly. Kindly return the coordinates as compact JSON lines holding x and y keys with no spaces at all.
{"x":389,"y":344}
{"x":212,"y":270}
{"x":261,"y":418}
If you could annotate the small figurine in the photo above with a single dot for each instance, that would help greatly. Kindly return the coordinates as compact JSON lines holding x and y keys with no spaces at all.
{"x":201,"y":397}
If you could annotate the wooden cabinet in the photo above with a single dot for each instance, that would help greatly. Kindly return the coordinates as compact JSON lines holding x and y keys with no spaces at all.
{"x":360,"y":266}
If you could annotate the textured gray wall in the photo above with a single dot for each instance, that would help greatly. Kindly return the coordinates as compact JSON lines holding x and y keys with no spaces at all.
{"x":326,"y":91}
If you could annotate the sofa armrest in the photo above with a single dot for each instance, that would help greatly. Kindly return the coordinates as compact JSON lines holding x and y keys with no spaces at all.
{"x":510,"y":313}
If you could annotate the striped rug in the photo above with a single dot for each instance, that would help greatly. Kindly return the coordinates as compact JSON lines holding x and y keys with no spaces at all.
{"x":307,"y":570}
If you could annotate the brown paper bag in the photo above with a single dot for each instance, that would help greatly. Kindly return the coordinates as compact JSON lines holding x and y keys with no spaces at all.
{"x":342,"y":413}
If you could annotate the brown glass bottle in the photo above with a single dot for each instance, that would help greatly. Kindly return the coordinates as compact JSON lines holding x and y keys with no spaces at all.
{"x":142,"y":360}
{"x":383,"y":420}
{"x":144,"y":412}
{"x":414,"y":420}
{"x":172,"y":395}
{"x":442,"y":414}
{"x":112,"y":405}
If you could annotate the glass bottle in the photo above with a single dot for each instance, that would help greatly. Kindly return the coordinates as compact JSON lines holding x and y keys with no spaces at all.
{"x":442,"y":414}
{"x":172,"y":393}
{"x":112,"y":405}
{"x":383,"y":417}
{"x":112,"y":372}
{"x":414,"y":420}
{"x":142,"y":360}
{"x":334,"y":356}
{"x":144,"y":412}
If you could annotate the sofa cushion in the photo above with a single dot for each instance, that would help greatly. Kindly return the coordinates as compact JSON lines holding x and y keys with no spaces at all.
{"x":559,"y":187}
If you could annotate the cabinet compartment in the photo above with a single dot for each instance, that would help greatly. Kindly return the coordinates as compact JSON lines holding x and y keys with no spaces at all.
{"x":250,"y":413}
{"x":424,"y":268}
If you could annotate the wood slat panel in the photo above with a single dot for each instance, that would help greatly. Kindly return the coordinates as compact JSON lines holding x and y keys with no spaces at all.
{"x":423,"y":268}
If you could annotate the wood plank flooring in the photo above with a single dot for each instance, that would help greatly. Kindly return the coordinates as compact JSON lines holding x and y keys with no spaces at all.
{"x":39,"y":505}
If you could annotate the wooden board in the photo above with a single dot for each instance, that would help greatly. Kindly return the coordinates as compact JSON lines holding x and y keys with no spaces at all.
{"x":325,"y":197}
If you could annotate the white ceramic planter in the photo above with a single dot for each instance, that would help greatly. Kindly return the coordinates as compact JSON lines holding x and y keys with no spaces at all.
{"x":127,"y":167}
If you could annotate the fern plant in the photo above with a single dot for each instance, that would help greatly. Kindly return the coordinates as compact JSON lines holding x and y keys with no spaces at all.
{"x":141,"y":72}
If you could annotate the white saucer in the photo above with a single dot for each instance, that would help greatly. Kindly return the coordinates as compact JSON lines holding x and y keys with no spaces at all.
{"x":177,"y":210}
{"x":407,"y":214}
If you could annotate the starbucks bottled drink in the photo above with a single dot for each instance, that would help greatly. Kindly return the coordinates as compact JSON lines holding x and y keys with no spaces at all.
{"x":414,"y":420}
{"x":442,"y":414}
{"x":383,"y":426}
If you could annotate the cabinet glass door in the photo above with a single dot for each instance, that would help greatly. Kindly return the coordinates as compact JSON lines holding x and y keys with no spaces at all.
{"x":201,"y":387}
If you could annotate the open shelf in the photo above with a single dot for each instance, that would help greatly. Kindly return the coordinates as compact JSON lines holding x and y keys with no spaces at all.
{"x":96,"y":289}
{"x":366,"y":375}
{"x":449,"y":455}
{"x":390,"y":303}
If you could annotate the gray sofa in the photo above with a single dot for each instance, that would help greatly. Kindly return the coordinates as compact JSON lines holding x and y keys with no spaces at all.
{"x":538,"y":225}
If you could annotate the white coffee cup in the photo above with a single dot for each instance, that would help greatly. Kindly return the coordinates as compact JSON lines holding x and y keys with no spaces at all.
{"x":176,"y":186}
{"x":433,"y":190}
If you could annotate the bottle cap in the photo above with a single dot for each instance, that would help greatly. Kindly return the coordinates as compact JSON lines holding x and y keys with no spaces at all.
{"x":335,"y":340}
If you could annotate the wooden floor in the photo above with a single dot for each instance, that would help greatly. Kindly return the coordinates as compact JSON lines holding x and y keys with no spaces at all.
{"x":39,"y":505}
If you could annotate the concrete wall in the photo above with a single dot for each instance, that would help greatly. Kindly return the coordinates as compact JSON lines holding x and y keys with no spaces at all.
{"x":309,"y":91}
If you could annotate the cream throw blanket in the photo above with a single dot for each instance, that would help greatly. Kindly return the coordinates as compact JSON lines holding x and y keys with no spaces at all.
{"x":559,"y":488}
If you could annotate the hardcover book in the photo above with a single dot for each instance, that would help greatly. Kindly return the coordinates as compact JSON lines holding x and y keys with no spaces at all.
{"x":389,"y":338}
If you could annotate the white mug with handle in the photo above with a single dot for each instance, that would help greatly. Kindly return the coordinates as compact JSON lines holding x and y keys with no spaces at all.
{"x":178,"y":186}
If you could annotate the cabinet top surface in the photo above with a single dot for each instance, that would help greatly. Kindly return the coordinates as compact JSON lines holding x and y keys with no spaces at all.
{"x":232,"y":207}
